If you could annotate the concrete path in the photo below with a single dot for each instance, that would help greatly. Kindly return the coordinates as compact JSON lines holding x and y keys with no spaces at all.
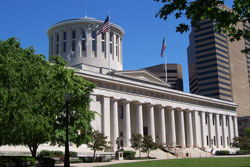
{"x":131,"y":161}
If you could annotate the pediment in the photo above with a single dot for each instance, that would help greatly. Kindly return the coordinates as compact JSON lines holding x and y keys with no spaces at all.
{"x":143,"y":75}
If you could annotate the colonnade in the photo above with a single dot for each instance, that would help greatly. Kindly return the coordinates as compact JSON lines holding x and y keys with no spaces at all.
{"x":168,"y":126}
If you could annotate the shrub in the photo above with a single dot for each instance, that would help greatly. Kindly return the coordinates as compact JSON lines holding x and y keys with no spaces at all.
{"x":242,"y":152}
{"x":57,"y":153}
{"x":72,"y":154}
{"x":50,"y":154}
{"x":222,"y":152}
{"x":128,"y":154}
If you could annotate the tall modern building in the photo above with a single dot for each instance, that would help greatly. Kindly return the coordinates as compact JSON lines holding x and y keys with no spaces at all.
{"x":174,"y":74}
{"x":217,"y":68}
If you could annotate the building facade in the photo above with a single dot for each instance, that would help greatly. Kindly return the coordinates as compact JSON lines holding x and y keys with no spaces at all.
{"x":174,"y":74}
{"x":217,"y":68}
{"x":136,"y":101}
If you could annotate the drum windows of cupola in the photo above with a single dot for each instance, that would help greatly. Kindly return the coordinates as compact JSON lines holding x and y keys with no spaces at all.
{"x":111,"y":44}
{"x":83,"y":41}
{"x":73,"y":45}
{"x":103,"y":42}
{"x":64,"y":41}
{"x":93,"y":41}
{"x":57,"y":43}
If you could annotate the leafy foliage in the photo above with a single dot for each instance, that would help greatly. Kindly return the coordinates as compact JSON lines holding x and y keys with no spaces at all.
{"x":129,"y":154}
{"x":148,"y":145}
{"x":32,"y":104}
{"x":243,"y":142}
{"x":99,"y":141}
{"x":226,"y":20}
{"x":136,"y":142}
{"x":222,"y":152}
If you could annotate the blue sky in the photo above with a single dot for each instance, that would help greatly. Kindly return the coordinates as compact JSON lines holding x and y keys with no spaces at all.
{"x":29,"y":20}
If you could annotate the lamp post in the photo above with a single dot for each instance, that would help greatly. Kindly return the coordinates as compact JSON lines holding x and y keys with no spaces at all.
{"x":66,"y":156}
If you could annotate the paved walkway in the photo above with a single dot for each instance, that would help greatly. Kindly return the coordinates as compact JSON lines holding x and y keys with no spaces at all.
{"x":131,"y":161}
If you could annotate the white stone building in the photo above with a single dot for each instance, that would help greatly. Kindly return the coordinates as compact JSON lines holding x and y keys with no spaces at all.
{"x":136,"y":101}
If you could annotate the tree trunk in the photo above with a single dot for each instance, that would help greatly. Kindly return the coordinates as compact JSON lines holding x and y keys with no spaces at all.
{"x":94,"y":153}
{"x":33,"y":149}
{"x":148,"y":153}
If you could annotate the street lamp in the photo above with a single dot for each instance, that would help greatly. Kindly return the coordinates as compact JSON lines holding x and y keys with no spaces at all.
{"x":66,"y":156}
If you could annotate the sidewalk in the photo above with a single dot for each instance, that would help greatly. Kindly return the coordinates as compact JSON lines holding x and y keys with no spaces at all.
{"x":131,"y":161}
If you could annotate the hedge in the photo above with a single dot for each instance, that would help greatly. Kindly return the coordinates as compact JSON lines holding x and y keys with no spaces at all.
{"x":222,"y":152}
{"x":128,"y":154}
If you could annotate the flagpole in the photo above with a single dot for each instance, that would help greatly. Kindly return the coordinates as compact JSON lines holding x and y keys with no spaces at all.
{"x":109,"y":45}
{"x":166,"y":70}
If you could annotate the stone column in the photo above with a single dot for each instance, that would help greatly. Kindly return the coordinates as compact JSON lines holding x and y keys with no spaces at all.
{"x":181,"y":129}
{"x":162,"y":126}
{"x":210,"y":125}
{"x":139,"y":122}
{"x":151,"y":122}
{"x":78,"y":42}
{"x":106,"y":117}
{"x":231,"y":130}
{"x":218,"y":131}
{"x":54,"y":43}
{"x":114,"y":123}
{"x":93,"y":108}
{"x":189,"y":129}
{"x":172,"y":137}
{"x":203,"y":135}
{"x":224,"y":131}
{"x":196,"y":131}
{"x":235,"y":127}
{"x":127,"y":124}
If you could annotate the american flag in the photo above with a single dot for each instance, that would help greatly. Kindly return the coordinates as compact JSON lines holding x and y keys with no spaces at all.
{"x":104,"y":27}
{"x":163,"y":46}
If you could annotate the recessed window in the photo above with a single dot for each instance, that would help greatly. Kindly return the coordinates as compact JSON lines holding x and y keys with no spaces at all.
{"x":73,"y":45}
{"x":73,"y":34}
{"x":93,"y":41}
{"x":117,"y":45}
{"x":111,"y":44}
{"x":64,"y":46}
{"x":83,"y":41}
{"x":57,"y":38}
{"x":206,"y":118}
{"x":83,"y":34}
{"x":213,"y":119}
{"x":214,"y":141}
{"x":65,"y":36}
{"x":207,"y":140}
{"x":103,"y":43}
{"x":83,"y":45}
{"x":121,"y":112}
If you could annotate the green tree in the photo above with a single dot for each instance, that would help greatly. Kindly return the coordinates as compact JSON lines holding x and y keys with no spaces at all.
{"x":148,"y":145}
{"x":32,"y":106}
{"x":136,"y":142}
{"x":243,"y":142}
{"x":99,"y":142}
{"x":226,"y":20}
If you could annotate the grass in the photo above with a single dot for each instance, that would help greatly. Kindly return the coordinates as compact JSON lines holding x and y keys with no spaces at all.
{"x":195,"y":162}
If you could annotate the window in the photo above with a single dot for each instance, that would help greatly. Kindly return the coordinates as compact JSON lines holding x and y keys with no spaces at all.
{"x":57,"y":43}
{"x":214,"y":141}
{"x":213,"y":119}
{"x":110,"y":44}
{"x":83,"y":34}
{"x":64,"y":46}
{"x":73,"y":34}
{"x":116,"y":45}
{"x":83,"y":41}
{"x":65,"y":36}
{"x":121,"y":112}
{"x":220,"y":121}
{"x":64,"y":42}
{"x":207,"y":140}
{"x":226,"y":121}
{"x":103,"y":43}
{"x":93,"y":41}
{"x":73,"y":43}
{"x":206,"y":118}
{"x":221,"y":141}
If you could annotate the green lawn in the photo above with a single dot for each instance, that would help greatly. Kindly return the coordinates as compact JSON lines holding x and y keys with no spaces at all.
{"x":195,"y":162}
